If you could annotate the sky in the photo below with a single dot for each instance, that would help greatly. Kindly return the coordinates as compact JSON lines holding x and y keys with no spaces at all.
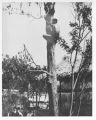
{"x":19,"y":30}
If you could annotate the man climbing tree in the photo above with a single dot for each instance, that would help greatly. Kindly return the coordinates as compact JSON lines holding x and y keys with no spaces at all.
{"x":51,"y":37}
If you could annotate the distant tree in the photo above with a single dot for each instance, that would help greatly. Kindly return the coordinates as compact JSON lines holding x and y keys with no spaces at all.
{"x":15,"y":73}
{"x":81,"y":40}
{"x":8,"y":70}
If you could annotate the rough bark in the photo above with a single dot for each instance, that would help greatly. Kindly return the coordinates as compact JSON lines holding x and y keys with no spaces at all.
{"x":52,"y":85}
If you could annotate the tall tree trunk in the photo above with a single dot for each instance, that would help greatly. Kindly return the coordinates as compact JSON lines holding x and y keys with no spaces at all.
{"x":72,"y":94}
{"x":51,"y":37}
{"x":52,"y":85}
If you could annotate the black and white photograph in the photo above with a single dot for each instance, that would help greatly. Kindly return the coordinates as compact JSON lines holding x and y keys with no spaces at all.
{"x":46,"y":59}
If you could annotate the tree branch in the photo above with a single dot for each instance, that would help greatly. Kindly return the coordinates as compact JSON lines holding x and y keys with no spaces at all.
{"x":84,"y":37}
{"x":78,"y":74}
{"x":71,"y":60}
{"x":81,"y":92}
{"x":79,"y":106}
{"x":21,"y":12}
{"x":30,"y":15}
{"x":29,"y":55}
{"x":43,"y":71}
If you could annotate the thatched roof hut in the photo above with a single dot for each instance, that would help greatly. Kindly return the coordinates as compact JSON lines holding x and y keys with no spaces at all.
{"x":64,"y":69}
{"x":64,"y":75}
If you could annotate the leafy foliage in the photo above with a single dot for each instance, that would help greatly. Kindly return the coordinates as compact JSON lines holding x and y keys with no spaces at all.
{"x":87,"y":54}
{"x":16,"y":74}
{"x":63,"y":44}
{"x":82,"y":24}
